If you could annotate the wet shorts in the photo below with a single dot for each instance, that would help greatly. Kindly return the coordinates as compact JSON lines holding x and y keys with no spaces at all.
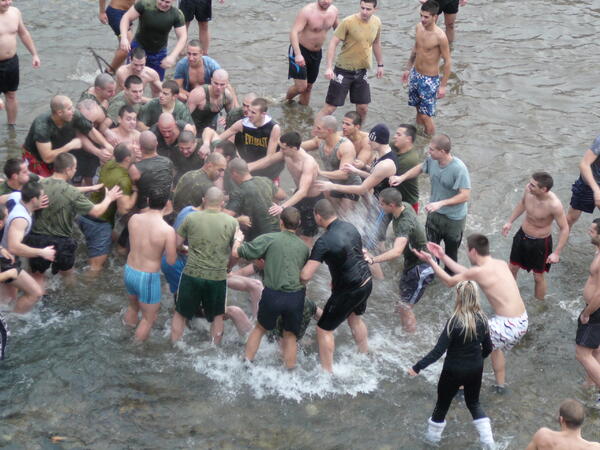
{"x":9,"y":74}
{"x":195,"y":292}
{"x":36,"y":165}
{"x":531,"y":253}
{"x":65,"y":252}
{"x":448,"y":6}
{"x":287,"y":305}
{"x":582,"y":197}
{"x":200,"y":9}
{"x":422,"y":91}
{"x":343,"y":303}
{"x":153,"y":59}
{"x":114,"y":16}
{"x":355,"y":81}
{"x":144,"y":285}
{"x":98,"y":235}
{"x":87,"y":164}
{"x":309,"y":311}
{"x":413,"y":283}
{"x":173,"y":273}
{"x":312,"y":61}
{"x":588,"y":335}
{"x":506,"y":332}
{"x":306,"y":206}
{"x":3,"y":337}
{"x":7,"y":264}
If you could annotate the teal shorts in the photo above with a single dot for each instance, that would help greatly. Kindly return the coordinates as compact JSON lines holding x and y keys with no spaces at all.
{"x":195,"y":293}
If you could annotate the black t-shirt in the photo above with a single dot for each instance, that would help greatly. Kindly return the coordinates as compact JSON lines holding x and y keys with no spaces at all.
{"x":341,"y":248}
{"x":156,"y":173}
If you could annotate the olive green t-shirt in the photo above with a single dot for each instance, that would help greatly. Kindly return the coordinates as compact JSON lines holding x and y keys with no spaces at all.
{"x":358,"y":37}
{"x":189,"y":183}
{"x":154,"y":25}
{"x":112,"y":174}
{"x":65,"y":202}
{"x":253,"y":198}
{"x":116,"y":103}
{"x":209,"y":235}
{"x":151,"y":111}
{"x":406,"y":161}
{"x":285,"y":255}
{"x":407,"y":226}
{"x":6,"y":189}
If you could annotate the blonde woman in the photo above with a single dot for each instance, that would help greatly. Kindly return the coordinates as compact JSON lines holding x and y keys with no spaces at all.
{"x":466,"y":341}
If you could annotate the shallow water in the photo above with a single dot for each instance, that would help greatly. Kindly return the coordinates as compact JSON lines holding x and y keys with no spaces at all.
{"x":521,"y":98}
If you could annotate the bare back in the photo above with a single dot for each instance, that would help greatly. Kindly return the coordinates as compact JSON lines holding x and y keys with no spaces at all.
{"x":540,"y":213}
{"x":147,"y":247}
{"x":9,"y":26}
{"x":593,"y":282}
{"x":546,"y":439}
{"x":317,"y":24}
{"x":305,"y":165}
{"x":428,"y":50}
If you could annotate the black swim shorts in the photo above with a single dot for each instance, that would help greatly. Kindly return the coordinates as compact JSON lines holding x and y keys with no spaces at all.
{"x":343,"y":81}
{"x":448,"y":6}
{"x":588,"y":335}
{"x":343,"y":303}
{"x":9,"y":74}
{"x":7,"y":264}
{"x":582,"y":197}
{"x":310,"y":70}
{"x":87,"y":164}
{"x":287,"y":305}
{"x":306,"y":206}
{"x":531,"y":253}
{"x":65,"y":252}
{"x":200,"y":9}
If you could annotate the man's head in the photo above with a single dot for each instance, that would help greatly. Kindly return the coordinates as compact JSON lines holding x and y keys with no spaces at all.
{"x":138,"y":61}
{"x":105,"y":86}
{"x":62,"y":107}
{"x":238,"y":168}
{"x":367,"y":9}
{"x":290,"y":142}
{"x":325,"y":126}
{"x":214,"y":166}
{"x":324,"y":211}
{"x":351,"y":123}
{"x":157,"y":198}
{"x":168,"y":93}
{"x":594,"y":231}
{"x":429,"y":12}
{"x":65,"y":164}
{"x":167,"y":126}
{"x":148,"y":142}
{"x":91,"y":110}
{"x":164,"y":5}
{"x":213,"y":198}
{"x":32,"y":190}
{"x":227,"y":149}
{"x":439,"y":147}
{"x":134,"y":89}
{"x":16,"y":172}
{"x":478,"y":245}
{"x":540,"y":183}
{"x":186,"y":143}
{"x":324,"y":4}
{"x":127,"y":118}
{"x":389,"y":199}
{"x":122,"y":153}
{"x":194,"y":53}
{"x":405,"y":136}
{"x":4,"y":5}
{"x":219,"y":81}
{"x":258,"y":111}
{"x":571,"y":413}
{"x":290,"y":218}
{"x":379,"y":135}
{"x":247,"y":102}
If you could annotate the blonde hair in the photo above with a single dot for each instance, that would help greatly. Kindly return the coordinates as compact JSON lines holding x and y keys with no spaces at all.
{"x":467,"y":310}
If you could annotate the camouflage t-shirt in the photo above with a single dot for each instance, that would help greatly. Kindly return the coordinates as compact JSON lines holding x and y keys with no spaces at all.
{"x":187,"y":185}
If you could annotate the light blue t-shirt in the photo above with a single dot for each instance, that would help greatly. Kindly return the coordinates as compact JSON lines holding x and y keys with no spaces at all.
{"x":182,"y":70}
{"x":446,"y":183}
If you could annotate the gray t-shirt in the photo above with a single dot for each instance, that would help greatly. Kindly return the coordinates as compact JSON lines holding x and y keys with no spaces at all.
{"x":446,"y":183}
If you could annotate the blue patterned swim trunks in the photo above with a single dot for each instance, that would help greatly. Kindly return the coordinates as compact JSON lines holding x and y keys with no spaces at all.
{"x":422,"y":91}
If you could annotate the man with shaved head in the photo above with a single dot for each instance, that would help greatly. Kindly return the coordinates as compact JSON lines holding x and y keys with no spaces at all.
{"x":102,"y":91}
{"x":167,"y":131}
{"x":165,"y":103}
{"x":185,"y":155}
{"x":201,"y":179}
{"x":207,"y":101}
{"x":194,"y":70}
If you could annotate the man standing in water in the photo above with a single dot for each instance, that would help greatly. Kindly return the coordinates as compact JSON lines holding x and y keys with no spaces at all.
{"x":423,"y":67}
{"x":587,"y":350}
{"x":510,"y":323}
{"x":111,"y":15}
{"x":11,"y":24}
{"x":586,"y":189}
{"x":306,"y":41}
{"x":570,"y":417}
{"x":450,"y":9}
{"x":532,"y":244}
{"x":341,"y":248}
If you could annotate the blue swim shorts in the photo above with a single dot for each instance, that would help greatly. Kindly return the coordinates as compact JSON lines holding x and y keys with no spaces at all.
{"x":98,"y":235}
{"x":144,"y":285}
{"x":422,"y":91}
{"x":114,"y":19}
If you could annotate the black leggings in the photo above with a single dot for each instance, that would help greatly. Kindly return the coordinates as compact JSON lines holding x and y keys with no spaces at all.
{"x":449,"y":383}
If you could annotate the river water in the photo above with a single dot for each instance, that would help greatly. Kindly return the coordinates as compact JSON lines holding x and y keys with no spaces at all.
{"x":521,"y":98}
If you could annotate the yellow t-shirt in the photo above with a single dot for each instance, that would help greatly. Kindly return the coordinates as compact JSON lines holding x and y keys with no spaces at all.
{"x":358,"y":37}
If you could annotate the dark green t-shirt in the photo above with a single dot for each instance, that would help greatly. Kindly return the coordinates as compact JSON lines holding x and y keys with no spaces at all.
{"x":6,"y":189}
{"x":188,"y":184}
{"x":285,"y":255}
{"x":407,"y":226}
{"x":253,"y":198}
{"x":151,"y":111}
{"x":112,"y":174}
{"x":65,"y":202}
{"x":116,"y":103}
{"x":154,"y":25}
{"x":406,"y":161}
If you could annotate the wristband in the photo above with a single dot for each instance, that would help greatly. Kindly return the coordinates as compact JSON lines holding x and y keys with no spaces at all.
{"x":379,"y":65}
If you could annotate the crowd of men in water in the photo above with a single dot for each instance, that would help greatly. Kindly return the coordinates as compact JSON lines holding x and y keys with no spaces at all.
{"x":205,"y":207}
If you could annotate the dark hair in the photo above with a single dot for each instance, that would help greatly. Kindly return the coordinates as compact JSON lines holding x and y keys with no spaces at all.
{"x":138,"y":53}
{"x":63,"y":162}
{"x":195,"y":43}
{"x":325,"y":209}
{"x":291,"y":139}
{"x":158,"y":198}
{"x":572,"y":413}
{"x":411,"y":130}
{"x":132,"y":79}
{"x":480,"y":243}
{"x":355,"y":117}
{"x":172,"y":85}
{"x":126,"y":109}
{"x":121,"y":152}
{"x":544,"y":179}
{"x":12,"y":166}
{"x":261,"y":103}
{"x":431,"y":6}
{"x":228,"y":147}
{"x":374,"y":2}
{"x":391,"y":196}
{"x":290,"y":217}
{"x":196,"y":197}
{"x":31,"y":189}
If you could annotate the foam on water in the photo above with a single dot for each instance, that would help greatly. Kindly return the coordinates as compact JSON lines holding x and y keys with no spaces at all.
{"x":573,"y":307}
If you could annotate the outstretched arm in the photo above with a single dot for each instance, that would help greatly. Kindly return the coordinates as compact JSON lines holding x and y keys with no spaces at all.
{"x":519,"y":209}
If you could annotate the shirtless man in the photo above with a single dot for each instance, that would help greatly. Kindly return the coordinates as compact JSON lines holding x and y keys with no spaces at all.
{"x":127,"y":133}
{"x":587,"y":349}
{"x":207,"y":101}
{"x":570,"y":417}
{"x":532,"y":244}
{"x":335,"y":151}
{"x":450,"y":10}
{"x":194,"y":70}
{"x":111,"y":15}
{"x":423,"y":68}
{"x":11,"y":24}
{"x":138,"y":67}
{"x":202,"y":11}
{"x":510,"y":323}
{"x":304,"y":171}
{"x":351,"y":125}
{"x":142,"y":271}
{"x":306,"y":41}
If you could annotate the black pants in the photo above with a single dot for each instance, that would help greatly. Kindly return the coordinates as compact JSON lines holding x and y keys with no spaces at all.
{"x":449,"y":383}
